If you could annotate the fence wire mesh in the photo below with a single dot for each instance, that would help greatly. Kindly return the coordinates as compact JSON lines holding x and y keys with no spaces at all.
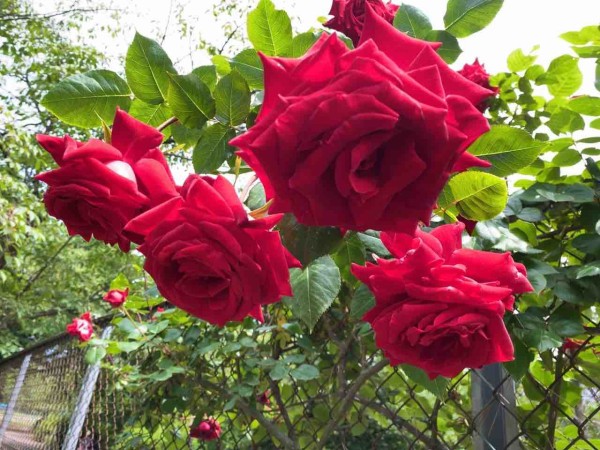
{"x":385,"y":410}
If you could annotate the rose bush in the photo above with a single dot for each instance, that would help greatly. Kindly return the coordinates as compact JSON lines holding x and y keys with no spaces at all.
{"x":439,"y":306}
{"x":99,"y":187}
{"x":363,"y":138}
{"x":208,"y":258}
{"x":349,"y":15}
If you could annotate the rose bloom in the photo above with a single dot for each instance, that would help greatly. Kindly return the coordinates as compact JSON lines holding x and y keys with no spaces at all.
{"x":116,"y":297}
{"x":81,"y":327}
{"x":477,"y":74}
{"x":572,"y":345}
{"x":439,"y":306}
{"x":99,"y":187}
{"x":349,"y":15}
{"x":207,"y":430}
{"x":263,"y":398}
{"x":208,"y":258}
{"x":363,"y":138}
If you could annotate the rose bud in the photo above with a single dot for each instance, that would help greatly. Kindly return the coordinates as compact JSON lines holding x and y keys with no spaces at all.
{"x":349,"y":15}
{"x":116,"y":297}
{"x":207,"y":430}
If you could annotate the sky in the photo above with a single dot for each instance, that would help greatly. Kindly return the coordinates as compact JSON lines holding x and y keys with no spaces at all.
{"x":519,"y":24}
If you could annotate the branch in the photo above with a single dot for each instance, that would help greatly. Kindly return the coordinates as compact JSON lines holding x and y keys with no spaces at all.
{"x":166,"y":123}
{"x":400,"y":423}
{"x":349,"y":398}
{"x":13,"y":17}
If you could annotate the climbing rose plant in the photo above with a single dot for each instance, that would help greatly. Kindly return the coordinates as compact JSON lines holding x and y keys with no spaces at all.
{"x":334,"y":179}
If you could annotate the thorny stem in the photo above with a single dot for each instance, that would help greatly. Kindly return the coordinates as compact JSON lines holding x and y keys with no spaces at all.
{"x":131,"y":319}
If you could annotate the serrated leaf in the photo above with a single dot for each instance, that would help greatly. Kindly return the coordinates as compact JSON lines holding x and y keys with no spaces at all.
{"x":301,"y":43}
{"x":213,"y":148}
{"x":190,"y":100}
{"x":589,"y":270}
{"x":152,"y":114}
{"x":270,"y":29}
{"x":523,"y":358}
{"x":477,"y":195}
{"x":412,"y":21}
{"x":586,"y":105}
{"x":147,"y":67}
{"x":518,"y":61}
{"x":438,"y":386}
{"x":508,"y":149}
{"x":249,"y":65}
{"x":95,"y":354}
{"x":563,"y":76}
{"x":85,"y":99}
{"x":232,"y":99}
{"x":352,"y":251}
{"x":450,"y":50}
{"x":362,"y":301}
{"x":305,"y":372}
{"x":208,"y":75}
{"x":315,"y":289}
{"x":465,"y":17}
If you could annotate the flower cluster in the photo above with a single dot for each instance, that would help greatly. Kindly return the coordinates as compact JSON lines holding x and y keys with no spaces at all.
{"x":362,"y":138}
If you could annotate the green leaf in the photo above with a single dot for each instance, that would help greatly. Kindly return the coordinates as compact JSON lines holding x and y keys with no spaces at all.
{"x":438,"y":386}
{"x":566,"y":322}
{"x":465,"y":17}
{"x":412,"y":21}
{"x":477,"y":195}
{"x":221,"y":64}
{"x":95,"y":354}
{"x":85,"y":99}
{"x":307,"y":243}
{"x":232,"y":99}
{"x":563,"y":76}
{"x":352,"y":251}
{"x":588,"y":243}
{"x":279,"y":371}
{"x":301,"y":43}
{"x":362,"y":301}
{"x":120,"y":282}
{"x":256,"y":197}
{"x":208,"y":75}
{"x":191,"y":100}
{"x":315,"y":289}
{"x":586,"y":105}
{"x":450,"y":50}
{"x":565,"y":121}
{"x":129,"y":347}
{"x":518,"y":61}
{"x":523,"y":358}
{"x":589,"y":270}
{"x":147,"y":67}
{"x":508,"y":149}
{"x":249,"y":65}
{"x":305,"y":372}
{"x":213,"y":148}
{"x":152,"y":114}
{"x":566,"y":158}
{"x":269,"y":29}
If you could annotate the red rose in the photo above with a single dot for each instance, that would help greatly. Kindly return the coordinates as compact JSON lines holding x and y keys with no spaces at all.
{"x":207,"y":430}
{"x":477,"y":74}
{"x":116,"y":297}
{"x":572,"y":345}
{"x":81,"y":327}
{"x":349,"y":15}
{"x":208,"y":258}
{"x":363,"y":138}
{"x":99,"y":187}
{"x":263,"y":398}
{"x":439,"y":306}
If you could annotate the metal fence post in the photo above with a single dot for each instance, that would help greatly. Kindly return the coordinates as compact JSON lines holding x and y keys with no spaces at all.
{"x":14,"y":396}
{"x":491,"y":394}
{"x":83,"y":402}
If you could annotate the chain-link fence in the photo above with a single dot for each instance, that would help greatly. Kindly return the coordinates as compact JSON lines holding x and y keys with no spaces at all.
{"x":51,"y":399}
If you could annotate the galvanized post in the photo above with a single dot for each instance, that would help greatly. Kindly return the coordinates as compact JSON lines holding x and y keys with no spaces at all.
{"x":14,"y":396}
{"x":83,"y":402}
{"x":495,"y":427}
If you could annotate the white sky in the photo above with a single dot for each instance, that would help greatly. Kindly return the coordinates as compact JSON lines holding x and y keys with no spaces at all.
{"x":519,"y":24}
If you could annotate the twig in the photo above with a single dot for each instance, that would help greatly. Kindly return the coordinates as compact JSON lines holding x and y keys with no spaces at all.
{"x":349,"y":399}
{"x":400,"y":423}
{"x":554,"y":395}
